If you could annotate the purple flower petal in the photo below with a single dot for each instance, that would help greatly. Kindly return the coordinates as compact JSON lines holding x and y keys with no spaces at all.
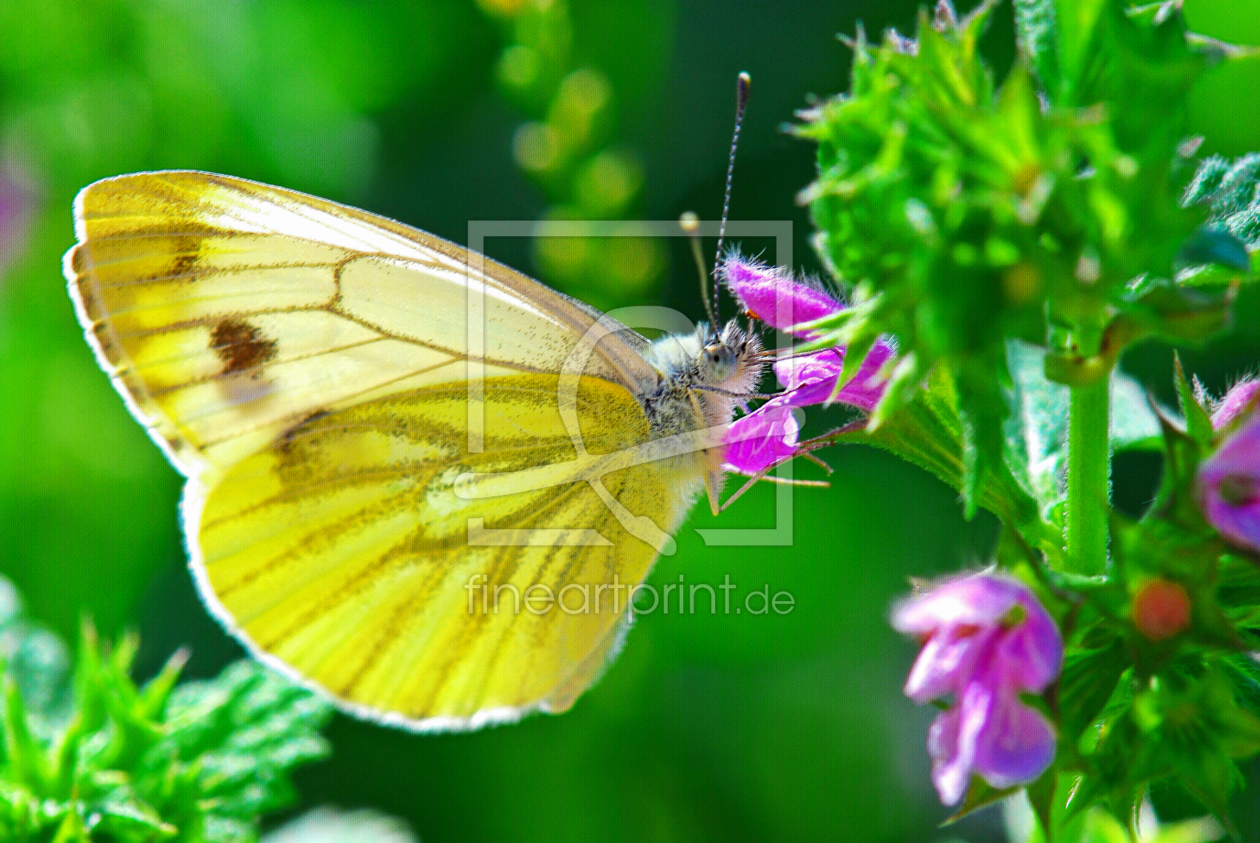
{"x":951,"y":767}
{"x":772,"y":295}
{"x":992,"y":734}
{"x":1017,"y":742}
{"x":1030,"y":652}
{"x":812,"y":378}
{"x":976,"y":600}
{"x":763,"y":438}
{"x":768,"y":435}
{"x":947,"y":662}
{"x":1229,"y":486}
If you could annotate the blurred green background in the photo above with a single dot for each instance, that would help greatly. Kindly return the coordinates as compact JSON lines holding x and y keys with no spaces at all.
{"x":707,"y":728}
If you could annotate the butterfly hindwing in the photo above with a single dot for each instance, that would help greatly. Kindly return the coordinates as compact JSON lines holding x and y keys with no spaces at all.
{"x":346,"y":552}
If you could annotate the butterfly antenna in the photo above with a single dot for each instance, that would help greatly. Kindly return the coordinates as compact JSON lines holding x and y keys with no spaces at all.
{"x":690,"y":224}
{"x":743,"y":83}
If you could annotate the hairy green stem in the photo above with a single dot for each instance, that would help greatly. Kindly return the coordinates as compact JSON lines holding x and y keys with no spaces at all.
{"x":1089,"y":477}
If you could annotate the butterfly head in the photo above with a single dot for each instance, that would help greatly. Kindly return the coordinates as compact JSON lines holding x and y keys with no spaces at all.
{"x":730,"y":359}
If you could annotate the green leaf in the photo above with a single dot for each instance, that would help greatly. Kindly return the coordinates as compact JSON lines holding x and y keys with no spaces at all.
{"x":1134,"y":425}
{"x":200,"y":761}
{"x":982,"y":405}
{"x":1035,"y":29}
{"x":926,"y":430}
{"x":1036,"y":432}
{"x":1231,"y":190}
{"x":1078,"y":22}
{"x":36,"y":660}
{"x":1178,"y":313}
{"x":124,"y":816}
{"x":1207,"y":180}
{"x":245,"y":731}
{"x":1101,"y":827}
{"x":980,"y":794}
{"x":1211,"y":245}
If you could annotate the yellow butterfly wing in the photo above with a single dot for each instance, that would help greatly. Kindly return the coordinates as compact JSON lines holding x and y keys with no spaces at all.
{"x":345,"y":551}
{"x":304,"y":364}
{"x":225,"y":310}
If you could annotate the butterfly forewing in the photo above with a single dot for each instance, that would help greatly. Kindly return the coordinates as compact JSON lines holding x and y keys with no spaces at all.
{"x":305,"y":365}
{"x":227,"y":310}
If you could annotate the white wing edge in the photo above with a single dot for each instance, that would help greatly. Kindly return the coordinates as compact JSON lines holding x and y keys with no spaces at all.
{"x":102,"y":360}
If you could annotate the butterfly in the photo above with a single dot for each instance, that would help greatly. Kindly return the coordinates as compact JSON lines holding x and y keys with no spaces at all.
{"x":417,"y":480}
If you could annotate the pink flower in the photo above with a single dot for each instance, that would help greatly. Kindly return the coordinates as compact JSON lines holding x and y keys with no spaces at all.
{"x":768,"y":435}
{"x":986,"y":641}
{"x":1229,"y":485}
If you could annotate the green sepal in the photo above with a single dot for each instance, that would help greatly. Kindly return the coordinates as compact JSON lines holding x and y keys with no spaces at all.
{"x":907,"y":376}
{"x":1198,"y":419}
{"x":1185,"y":724}
{"x":1174,"y":499}
{"x":1160,"y":548}
{"x":23,"y":756}
{"x":1093,"y":668}
{"x":980,"y":794}
{"x":155,"y":695}
{"x":854,"y":356}
{"x":1182,"y":313}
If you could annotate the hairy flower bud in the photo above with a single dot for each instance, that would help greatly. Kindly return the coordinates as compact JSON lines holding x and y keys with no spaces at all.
{"x":1239,"y":400}
{"x":1229,"y":486}
{"x":777,"y":298}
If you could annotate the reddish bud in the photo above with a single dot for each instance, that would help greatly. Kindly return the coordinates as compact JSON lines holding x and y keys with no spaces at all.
{"x":1161,"y":609}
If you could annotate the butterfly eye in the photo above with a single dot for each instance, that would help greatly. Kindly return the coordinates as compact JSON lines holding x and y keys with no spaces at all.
{"x":720,"y":361}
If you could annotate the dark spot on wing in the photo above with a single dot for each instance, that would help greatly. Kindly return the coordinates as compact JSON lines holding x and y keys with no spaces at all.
{"x":241,"y":346}
{"x":301,"y":428}
{"x":187,"y":253}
